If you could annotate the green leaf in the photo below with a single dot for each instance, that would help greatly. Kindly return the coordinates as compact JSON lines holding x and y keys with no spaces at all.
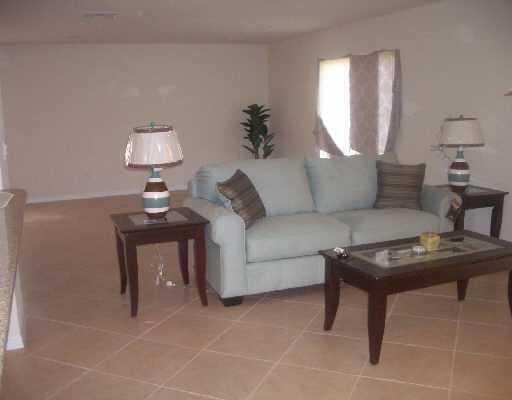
{"x":249,"y":149}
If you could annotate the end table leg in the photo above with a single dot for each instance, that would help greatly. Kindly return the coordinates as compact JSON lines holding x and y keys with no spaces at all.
{"x":377,"y":303}
{"x":121,"y":261}
{"x":510,"y":291}
{"x":459,"y":222}
{"x":133,"y":276}
{"x":462,"y":286}
{"x":183,"y":256}
{"x":200,"y":261}
{"x":332,"y":294}
{"x":496,"y":218}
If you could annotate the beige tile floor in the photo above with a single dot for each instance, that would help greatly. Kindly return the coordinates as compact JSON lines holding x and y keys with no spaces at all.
{"x":82,"y":344}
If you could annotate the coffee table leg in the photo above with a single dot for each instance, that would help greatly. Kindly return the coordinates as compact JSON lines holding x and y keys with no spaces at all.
{"x":133,"y":276}
{"x":377,"y":303}
{"x":121,"y":261}
{"x":183,"y":256}
{"x":200,"y":260}
{"x":510,"y":291}
{"x":462,"y":287}
{"x":332,"y":294}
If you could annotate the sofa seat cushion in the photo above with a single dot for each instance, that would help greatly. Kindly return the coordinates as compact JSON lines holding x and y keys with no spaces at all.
{"x":297,"y":235}
{"x":376,"y":225}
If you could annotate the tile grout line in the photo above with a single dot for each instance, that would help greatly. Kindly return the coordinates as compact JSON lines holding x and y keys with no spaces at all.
{"x":201,"y":351}
{"x":269,"y":324}
{"x":179,"y":309}
{"x":403,"y":344}
{"x":278,"y":361}
{"x":238,"y":320}
{"x":405,"y":382}
{"x":483,"y":396}
{"x":69,"y":323}
{"x":195,"y":394}
{"x":365,"y":376}
{"x":454,"y":354}
{"x":500,"y":324}
{"x":64,"y":387}
{"x":454,"y":297}
{"x":366,"y":363}
{"x":94,"y":368}
{"x":134,"y":339}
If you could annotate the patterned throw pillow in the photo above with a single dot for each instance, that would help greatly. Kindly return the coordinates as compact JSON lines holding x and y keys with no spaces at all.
{"x":244,"y":198}
{"x":399,"y":186}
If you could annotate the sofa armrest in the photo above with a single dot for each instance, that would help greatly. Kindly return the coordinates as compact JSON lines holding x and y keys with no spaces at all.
{"x":437,"y":201}
{"x":226,"y":270}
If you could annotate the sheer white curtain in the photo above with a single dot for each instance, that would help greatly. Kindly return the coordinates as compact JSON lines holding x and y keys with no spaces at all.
{"x":334,"y":102}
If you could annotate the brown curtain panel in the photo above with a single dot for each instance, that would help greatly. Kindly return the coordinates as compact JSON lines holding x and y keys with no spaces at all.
{"x":375,"y":101}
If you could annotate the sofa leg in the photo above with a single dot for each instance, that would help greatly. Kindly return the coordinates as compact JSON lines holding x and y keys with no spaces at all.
{"x":232,"y":301}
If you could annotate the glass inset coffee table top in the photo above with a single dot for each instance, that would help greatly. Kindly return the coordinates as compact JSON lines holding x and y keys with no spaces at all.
{"x":402,"y":255}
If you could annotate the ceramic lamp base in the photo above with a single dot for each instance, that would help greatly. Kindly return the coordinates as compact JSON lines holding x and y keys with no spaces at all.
{"x":156,"y":197}
{"x":459,"y":173}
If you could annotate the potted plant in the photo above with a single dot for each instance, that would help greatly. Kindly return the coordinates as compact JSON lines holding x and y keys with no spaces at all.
{"x":257,"y":131}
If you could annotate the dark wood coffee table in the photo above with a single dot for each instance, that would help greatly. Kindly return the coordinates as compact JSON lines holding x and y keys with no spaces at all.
{"x":369,"y":269}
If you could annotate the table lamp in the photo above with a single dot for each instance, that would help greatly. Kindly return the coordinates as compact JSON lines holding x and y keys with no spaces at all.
{"x":460,"y":132}
{"x":154,"y":146}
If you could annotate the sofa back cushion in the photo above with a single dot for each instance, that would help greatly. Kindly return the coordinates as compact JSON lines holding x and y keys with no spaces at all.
{"x":344,"y":183}
{"x":281,"y":183}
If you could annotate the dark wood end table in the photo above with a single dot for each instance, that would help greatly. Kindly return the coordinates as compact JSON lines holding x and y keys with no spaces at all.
{"x":185,"y":226}
{"x":480,"y":197}
{"x":379,"y":282}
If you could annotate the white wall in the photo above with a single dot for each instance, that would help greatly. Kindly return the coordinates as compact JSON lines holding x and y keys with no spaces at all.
{"x":456,"y":58}
{"x":69,"y":109}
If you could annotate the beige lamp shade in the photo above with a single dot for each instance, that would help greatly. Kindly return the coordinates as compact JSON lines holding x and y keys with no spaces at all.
{"x":153,"y":145}
{"x":461,"y":131}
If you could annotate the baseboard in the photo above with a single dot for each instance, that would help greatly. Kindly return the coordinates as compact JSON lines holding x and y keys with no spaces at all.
{"x":79,"y":196}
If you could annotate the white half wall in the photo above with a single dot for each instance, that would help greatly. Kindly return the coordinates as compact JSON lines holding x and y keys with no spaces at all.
{"x":69,"y":109}
{"x":4,"y":182}
{"x":16,"y":335}
{"x":456,"y":59}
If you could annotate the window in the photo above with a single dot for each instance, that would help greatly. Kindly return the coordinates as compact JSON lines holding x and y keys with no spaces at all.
{"x":357,"y":104}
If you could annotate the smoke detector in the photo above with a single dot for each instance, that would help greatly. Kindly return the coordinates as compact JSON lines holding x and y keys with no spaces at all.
{"x":91,"y":15}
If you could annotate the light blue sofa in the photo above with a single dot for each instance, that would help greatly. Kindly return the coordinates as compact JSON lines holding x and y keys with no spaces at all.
{"x":311,"y":204}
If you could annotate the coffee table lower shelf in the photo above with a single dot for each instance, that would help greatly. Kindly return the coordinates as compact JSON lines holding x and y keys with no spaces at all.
{"x":380,"y":284}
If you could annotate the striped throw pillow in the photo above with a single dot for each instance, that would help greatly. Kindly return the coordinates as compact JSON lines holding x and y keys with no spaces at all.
{"x":243,"y":196}
{"x":399,"y":186}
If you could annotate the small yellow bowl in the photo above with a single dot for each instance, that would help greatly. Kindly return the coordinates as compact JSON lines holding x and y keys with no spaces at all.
{"x":430,"y":241}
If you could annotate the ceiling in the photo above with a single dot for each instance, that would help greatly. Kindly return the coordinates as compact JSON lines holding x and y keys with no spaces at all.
{"x":180,"y":21}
